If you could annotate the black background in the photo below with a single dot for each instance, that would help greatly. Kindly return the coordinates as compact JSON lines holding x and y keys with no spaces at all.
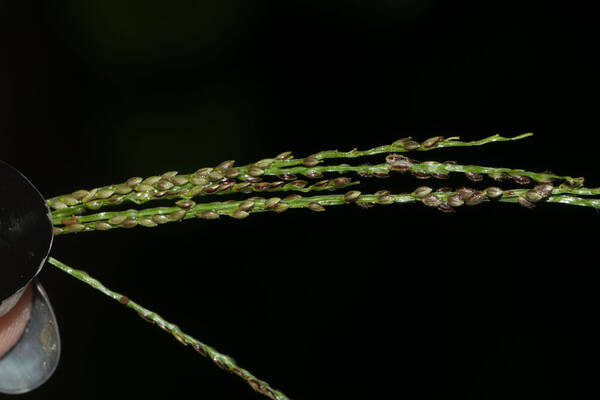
{"x":493,"y":302}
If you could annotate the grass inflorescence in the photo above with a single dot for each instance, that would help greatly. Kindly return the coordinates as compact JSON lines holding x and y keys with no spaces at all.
{"x":283,"y":183}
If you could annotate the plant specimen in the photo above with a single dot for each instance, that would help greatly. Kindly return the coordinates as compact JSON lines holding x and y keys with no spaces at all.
{"x":282,"y":183}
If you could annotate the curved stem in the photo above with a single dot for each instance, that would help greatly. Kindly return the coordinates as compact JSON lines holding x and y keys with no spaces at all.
{"x":221,"y":360}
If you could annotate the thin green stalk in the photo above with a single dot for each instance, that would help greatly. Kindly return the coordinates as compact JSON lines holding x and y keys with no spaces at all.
{"x":443,"y":200}
{"x":404,"y":145}
{"x":225,"y":178}
{"x":188,"y":191}
{"x":429,"y":168}
{"x":221,"y":360}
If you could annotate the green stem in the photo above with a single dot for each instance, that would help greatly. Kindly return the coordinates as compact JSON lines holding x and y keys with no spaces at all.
{"x":227,"y":179}
{"x":400,"y":146}
{"x":152,"y":217}
{"x":221,"y":360}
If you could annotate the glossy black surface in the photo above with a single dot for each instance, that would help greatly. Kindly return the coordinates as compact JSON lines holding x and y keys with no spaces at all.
{"x":25,"y":230}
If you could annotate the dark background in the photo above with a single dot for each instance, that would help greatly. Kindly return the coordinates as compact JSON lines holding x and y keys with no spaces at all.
{"x":493,"y":302}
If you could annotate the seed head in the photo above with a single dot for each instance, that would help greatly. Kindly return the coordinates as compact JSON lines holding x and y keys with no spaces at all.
{"x":341,"y":181}
{"x":123,"y":189}
{"x":398,"y":162}
{"x":400,"y":168}
{"x":246,"y":205}
{"x":312,"y":174}
{"x":58,"y":205}
{"x":431,"y":200}
{"x":432,"y":141}
{"x":168,"y":175}
{"x":225,"y":164}
{"x":255,"y":171}
{"x":291,"y":197}
{"x":281,"y":207}
{"x":272,"y":202}
{"x":215,"y":176}
{"x":198,"y":180}
{"x":203,"y":172}
{"x":147,"y":222}
{"x":464,"y":193}
{"x":526,"y":203}
{"x":422,"y":191}
{"x":476,"y":198}
{"x":79,"y":194}
{"x":74,"y":228}
{"x":299,"y":184}
{"x":104,"y":193}
{"x":238,"y":187}
{"x":57,"y":231}
{"x":133,"y":182}
{"x":185,"y":204}
{"x":102,"y":226}
{"x":407,"y":143}
{"x":264,"y":163}
{"x":177,"y":215}
{"x":93,"y":205}
{"x":439,"y":175}
{"x":493,"y":192}
{"x":70,"y":200}
{"x":231,"y":173}
{"x":160,"y":219}
{"x":365,"y":204}
{"x":208,"y":215}
{"x":142,"y":187}
{"x":117,"y":219}
{"x":545,"y":189}
{"x":284,"y":156}
{"x":151,"y":180}
{"x":224,"y":186}
{"x":310,"y":161}
{"x":212,"y":188}
{"x":444,"y":207}
{"x":261,"y":186}
{"x":239,"y":214}
{"x":90,"y":195}
{"x":421,"y":175}
{"x":520,"y":179}
{"x":386,"y":199}
{"x":455,"y":201}
{"x":351,"y":195}
{"x":195,"y":191}
{"x":115,"y":200}
{"x":288,"y":177}
{"x":164,"y":184}
{"x":129,"y":223}
{"x":251,"y":179}
{"x":499,"y":176}
{"x":533,"y":196}
{"x":313,"y":205}
{"x":180,"y":180}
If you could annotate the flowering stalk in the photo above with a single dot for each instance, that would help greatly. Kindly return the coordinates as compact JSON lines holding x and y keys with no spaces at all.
{"x":227,"y":179}
{"x":444,"y":200}
{"x":222,"y":361}
{"x":69,"y":211}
